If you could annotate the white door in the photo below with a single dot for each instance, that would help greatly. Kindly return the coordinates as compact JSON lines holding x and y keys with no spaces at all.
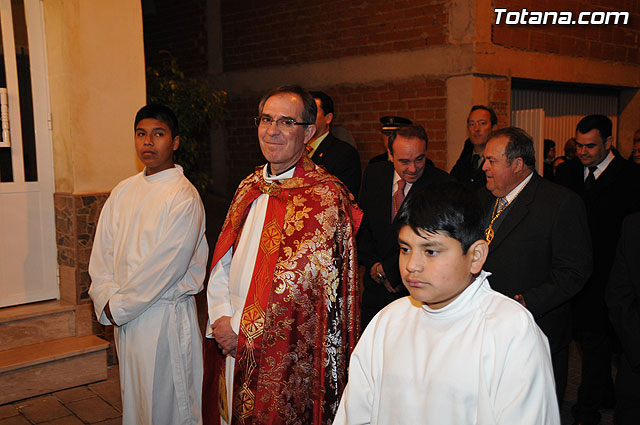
{"x":27,"y":223}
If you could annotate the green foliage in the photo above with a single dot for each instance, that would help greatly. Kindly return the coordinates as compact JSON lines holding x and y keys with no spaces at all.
{"x":197,"y":104}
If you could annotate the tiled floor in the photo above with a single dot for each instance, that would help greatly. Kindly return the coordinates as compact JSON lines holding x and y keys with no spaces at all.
{"x":99,"y":403}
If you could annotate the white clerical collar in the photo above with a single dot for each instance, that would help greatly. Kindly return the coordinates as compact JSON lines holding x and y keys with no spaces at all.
{"x":396,"y":177}
{"x":600,"y":167}
{"x":164,"y":174}
{"x":512,"y":195}
{"x":461,"y":302}
{"x":286,"y":175}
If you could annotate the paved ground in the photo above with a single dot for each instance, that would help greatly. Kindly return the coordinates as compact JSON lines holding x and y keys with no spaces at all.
{"x":99,"y":403}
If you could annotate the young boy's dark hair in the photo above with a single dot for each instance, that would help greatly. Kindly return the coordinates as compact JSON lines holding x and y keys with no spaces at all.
{"x":161,"y":113}
{"x":448,"y":208}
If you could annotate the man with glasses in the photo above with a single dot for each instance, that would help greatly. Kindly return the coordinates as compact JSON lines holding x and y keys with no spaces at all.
{"x":283,"y":293}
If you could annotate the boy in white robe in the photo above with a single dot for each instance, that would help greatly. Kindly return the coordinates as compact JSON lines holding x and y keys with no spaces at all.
{"x":148,"y":260}
{"x":455,"y":351}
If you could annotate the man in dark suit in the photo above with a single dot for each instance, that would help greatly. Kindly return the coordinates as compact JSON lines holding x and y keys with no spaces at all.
{"x":338,"y":157}
{"x":538,"y":240}
{"x":390,"y":124}
{"x":623,"y":300}
{"x":481,"y":121}
{"x":385,"y":185}
{"x":609,"y":186}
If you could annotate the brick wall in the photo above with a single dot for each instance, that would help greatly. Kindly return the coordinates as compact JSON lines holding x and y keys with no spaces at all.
{"x":178,"y":27}
{"x":257,"y":33}
{"x":242,"y":139}
{"x":358,"y":109}
{"x":609,"y":42}
{"x":499,"y":99}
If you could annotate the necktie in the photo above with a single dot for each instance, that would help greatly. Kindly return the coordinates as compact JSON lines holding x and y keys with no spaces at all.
{"x":502,"y":204}
{"x":398,"y":198}
{"x":591,"y":178}
{"x":476,"y":160}
{"x":309,"y":150}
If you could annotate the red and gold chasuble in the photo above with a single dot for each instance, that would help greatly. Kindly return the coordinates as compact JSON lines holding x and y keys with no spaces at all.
{"x":300,"y":320}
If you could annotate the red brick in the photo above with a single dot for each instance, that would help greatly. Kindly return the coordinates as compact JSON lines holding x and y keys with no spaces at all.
{"x":374,"y":27}
{"x":575,"y":40}
{"x":633,"y":55}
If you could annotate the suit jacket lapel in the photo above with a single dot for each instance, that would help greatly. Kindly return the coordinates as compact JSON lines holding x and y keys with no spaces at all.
{"x":517,"y":211}
{"x":386,"y":188}
{"x":610,"y":175}
{"x":318,"y":155}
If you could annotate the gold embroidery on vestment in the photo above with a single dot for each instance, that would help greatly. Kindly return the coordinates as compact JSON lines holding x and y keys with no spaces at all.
{"x":271,"y":189}
{"x":252,"y":322}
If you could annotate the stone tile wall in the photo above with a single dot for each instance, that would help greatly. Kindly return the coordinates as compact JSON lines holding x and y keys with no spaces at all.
{"x":76,"y":220}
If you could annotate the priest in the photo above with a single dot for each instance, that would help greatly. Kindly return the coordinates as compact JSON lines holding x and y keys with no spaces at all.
{"x":283,"y":294}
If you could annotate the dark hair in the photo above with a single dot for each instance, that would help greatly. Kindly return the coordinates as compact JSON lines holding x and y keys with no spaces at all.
{"x":326,"y":103}
{"x":599,"y":122}
{"x":449,"y":208}
{"x":520,"y":145}
{"x":570,"y":147}
{"x":548,"y":144}
{"x":161,"y":113}
{"x":310,"y":108}
{"x":410,"y":131}
{"x":558,"y":160}
{"x":492,"y":114}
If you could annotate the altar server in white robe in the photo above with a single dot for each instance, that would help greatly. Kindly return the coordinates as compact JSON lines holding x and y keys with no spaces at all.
{"x":148,"y":260}
{"x":455,"y":351}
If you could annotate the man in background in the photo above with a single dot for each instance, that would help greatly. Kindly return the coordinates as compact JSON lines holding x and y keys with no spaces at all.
{"x":390,"y":124}
{"x":385,"y":186}
{"x":608,"y":186}
{"x":538,"y":241}
{"x":481,"y":121}
{"x":337,"y":156}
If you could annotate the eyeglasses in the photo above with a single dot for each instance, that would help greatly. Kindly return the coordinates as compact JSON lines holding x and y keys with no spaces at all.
{"x":281,"y":123}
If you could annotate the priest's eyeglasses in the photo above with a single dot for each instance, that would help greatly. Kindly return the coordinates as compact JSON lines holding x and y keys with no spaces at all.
{"x":281,"y":123}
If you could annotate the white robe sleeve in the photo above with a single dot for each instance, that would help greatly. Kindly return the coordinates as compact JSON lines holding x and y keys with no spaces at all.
{"x":103,"y":284}
{"x":356,"y":404}
{"x":165,"y":266}
{"x":523,"y":385}
{"x":218,"y":294}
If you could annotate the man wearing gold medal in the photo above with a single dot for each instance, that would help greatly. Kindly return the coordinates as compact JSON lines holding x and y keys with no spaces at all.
{"x":538,"y":240}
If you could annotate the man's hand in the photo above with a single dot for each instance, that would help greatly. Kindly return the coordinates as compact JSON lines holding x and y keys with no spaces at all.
{"x":377,"y":274}
{"x":107,"y":312}
{"x":226,"y":338}
{"x":390,"y":288}
{"x":520,"y":299}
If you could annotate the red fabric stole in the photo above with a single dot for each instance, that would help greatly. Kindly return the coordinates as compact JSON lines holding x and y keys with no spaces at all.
{"x":214,"y":403}
{"x":253,"y":314}
{"x":262,"y":395}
